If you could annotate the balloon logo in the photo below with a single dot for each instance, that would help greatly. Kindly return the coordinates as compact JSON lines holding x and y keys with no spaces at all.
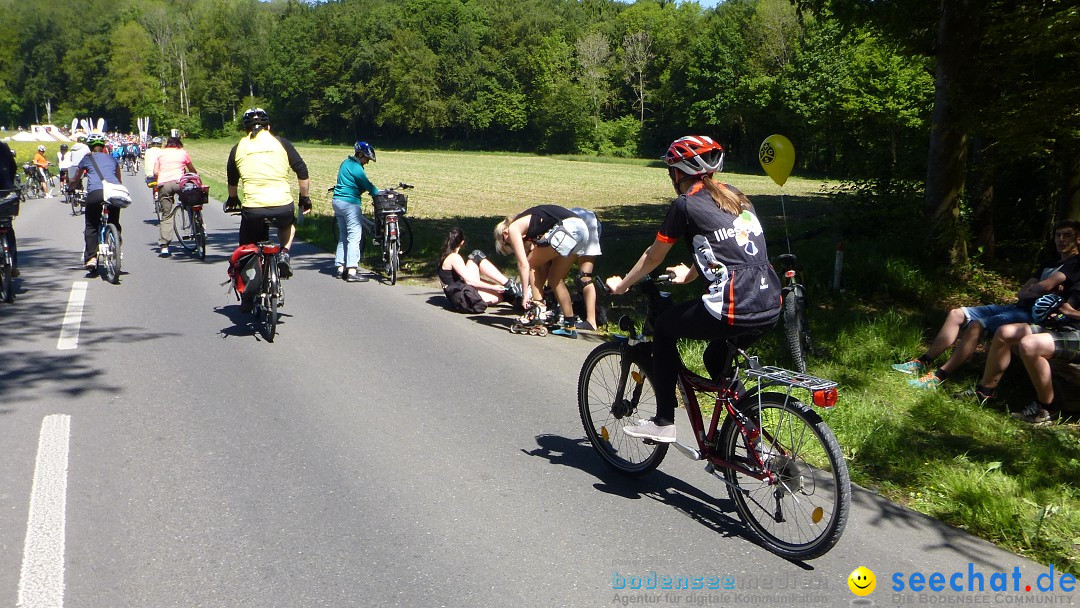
{"x":777,"y":157}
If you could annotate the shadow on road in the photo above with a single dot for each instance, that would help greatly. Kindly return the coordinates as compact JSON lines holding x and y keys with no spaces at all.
{"x":700,"y":506}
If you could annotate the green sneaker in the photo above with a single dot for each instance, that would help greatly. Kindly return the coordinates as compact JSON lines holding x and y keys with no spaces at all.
{"x":928,"y":381}
{"x":915,"y":367}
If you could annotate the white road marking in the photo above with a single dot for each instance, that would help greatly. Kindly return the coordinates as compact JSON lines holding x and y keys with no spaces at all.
{"x":41,"y":583}
{"x":69,"y":331}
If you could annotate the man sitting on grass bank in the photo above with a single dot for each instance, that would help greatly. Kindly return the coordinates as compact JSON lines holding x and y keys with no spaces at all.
{"x":1053,"y":275}
{"x":1057,"y":336}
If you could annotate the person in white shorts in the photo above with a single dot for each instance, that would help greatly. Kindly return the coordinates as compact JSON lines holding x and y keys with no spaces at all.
{"x":545,"y":240}
{"x":586,"y":265}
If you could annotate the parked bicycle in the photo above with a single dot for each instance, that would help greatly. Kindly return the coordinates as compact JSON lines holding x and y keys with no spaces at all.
{"x":796,"y":326}
{"x":390,"y":207}
{"x":188,"y":223}
{"x":9,"y":208}
{"x":780,"y":462}
{"x":33,"y":184}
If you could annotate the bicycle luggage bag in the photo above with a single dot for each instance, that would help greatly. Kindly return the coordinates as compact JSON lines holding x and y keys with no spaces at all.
{"x":192,"y":190}
{"x":9,"y":205}
{"x":242,"y":266}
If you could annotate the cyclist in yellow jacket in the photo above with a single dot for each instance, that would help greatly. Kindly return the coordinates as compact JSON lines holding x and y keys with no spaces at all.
{"x":261,"y":162}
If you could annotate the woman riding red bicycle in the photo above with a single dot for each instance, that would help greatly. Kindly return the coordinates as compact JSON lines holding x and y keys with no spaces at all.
{"x":727,"y":243}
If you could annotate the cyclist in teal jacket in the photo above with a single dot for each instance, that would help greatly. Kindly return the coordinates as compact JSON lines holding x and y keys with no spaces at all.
{"x":352,"y":182}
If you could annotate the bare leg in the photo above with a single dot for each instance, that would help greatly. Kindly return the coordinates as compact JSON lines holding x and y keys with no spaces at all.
{"x":540,"y":260}
{"x":964,"y":348}
{"x":1001,"y":352}
{"x":285,"y":235}
{"x":1035,"y":352}
{"x":488,"y":271}
{"x":560,"y":267}
{"x":586,"y":264}
{"x":947,"y":334}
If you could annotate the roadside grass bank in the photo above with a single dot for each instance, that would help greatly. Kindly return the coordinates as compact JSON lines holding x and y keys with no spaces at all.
{"x":968,"y":465}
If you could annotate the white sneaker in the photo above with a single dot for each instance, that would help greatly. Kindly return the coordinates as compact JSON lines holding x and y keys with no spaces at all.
{"x":647,"y":429}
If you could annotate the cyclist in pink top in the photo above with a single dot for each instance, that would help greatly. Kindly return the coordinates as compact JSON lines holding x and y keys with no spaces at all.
{"x":169,"y":167}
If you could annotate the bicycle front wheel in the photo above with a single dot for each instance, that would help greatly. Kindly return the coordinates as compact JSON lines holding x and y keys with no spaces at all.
{"x":109,"y":256}
{"x":795,"y":329}
{"x":182,"y":227}
{"x":802,"y":514}
{"x":604,"y":414}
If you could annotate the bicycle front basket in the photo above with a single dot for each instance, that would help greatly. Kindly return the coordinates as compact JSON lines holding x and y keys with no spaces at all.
{"x":391,"y":202}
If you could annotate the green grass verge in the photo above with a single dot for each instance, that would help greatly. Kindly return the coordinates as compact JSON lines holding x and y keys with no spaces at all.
{"x":970,"y":466}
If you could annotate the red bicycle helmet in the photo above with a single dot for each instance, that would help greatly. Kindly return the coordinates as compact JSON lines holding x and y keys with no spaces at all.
{"x":695,"y":155}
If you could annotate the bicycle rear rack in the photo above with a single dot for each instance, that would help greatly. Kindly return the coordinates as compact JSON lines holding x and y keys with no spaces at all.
{"x":780,"y":375}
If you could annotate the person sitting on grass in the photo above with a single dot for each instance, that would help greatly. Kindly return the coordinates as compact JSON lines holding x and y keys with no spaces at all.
{"x":473,"y":284}
{"x":1057,"y":336}
{"x":1058,"y":273}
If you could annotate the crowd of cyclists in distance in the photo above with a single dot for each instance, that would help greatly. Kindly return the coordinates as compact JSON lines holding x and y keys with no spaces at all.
{"x":718,"y":224}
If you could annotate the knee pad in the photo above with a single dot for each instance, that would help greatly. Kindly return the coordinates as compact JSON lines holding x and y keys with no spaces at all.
{"x":476,"y":256}
{"x":584,"y":278}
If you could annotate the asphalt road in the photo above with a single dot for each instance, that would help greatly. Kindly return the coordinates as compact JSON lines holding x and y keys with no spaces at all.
{"x":381,"y":452}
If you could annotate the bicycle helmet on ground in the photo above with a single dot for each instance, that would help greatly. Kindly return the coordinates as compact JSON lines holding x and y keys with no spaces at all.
{"x":695,"y":155}
{"x":255,"y":117}
{"x":1046,"y":306}
{"x":364,"y":150}
{"x":95,"y":139}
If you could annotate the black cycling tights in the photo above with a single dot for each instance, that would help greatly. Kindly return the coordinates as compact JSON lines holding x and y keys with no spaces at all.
{"x":690,"y":319}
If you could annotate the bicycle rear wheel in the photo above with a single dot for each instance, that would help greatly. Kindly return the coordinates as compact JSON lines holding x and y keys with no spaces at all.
{"x":269,"y":297}
{"x":7,"y":282}
{"x":604,"y":417}
{"x":803,"y":514}
{"x":795,"y":328}
{"x":393,"y":262}
{"x":182,"y":227}
{"x":109,"y":255}
{"x":199,"y":230}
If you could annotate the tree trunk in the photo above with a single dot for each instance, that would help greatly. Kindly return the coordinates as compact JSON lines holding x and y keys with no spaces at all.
{"x":958,"y":34}
{"x":983,"y":190}
{"x":1069,"y":205}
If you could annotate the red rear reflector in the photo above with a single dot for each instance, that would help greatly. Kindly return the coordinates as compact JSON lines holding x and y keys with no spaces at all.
{"x":196,"y":207}
{"x":789,"y":274}
{"x":826,"y":397}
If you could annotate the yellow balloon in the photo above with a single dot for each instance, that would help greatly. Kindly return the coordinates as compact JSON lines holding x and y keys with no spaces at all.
{"x":777,"y":157}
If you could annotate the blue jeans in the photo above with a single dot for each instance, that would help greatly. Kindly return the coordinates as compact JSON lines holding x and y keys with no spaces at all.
{"x":350,"y":231}
{"x":995,"y":315}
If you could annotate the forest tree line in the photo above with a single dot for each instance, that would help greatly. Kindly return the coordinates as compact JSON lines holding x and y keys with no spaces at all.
{"x":966,"y":107}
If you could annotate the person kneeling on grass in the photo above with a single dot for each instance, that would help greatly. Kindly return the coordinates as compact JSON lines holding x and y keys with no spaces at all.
{"x":1062,"y":272}
{"x":472,"y":285}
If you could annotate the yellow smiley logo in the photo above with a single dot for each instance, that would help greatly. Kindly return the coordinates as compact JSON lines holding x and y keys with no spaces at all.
{"x":862,"y":581}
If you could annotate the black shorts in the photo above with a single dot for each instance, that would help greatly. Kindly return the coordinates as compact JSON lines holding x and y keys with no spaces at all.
{"x":253,"y":227}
